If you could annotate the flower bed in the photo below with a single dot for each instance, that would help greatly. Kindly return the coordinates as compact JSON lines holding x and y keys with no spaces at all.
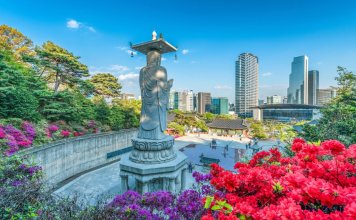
{"x":13,"y":139}
{"x":319,"y":182}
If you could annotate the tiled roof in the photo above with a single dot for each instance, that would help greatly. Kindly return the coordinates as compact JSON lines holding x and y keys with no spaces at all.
{"x":235,"y":124}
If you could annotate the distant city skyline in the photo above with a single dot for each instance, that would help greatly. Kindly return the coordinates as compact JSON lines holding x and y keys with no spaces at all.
{"x":210,"y":35}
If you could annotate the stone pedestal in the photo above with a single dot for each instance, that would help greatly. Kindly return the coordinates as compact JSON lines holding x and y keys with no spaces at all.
{"x":167,"y":176}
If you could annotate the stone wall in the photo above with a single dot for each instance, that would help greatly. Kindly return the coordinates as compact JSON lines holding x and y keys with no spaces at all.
{"x":63,"y":159}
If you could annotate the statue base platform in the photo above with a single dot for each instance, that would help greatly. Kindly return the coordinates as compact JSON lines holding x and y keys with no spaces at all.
{"x":168,"y":176}
{"x":146,"y":151}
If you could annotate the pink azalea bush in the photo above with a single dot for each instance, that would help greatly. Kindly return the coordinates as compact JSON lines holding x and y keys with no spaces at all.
{"x":13,"y":139}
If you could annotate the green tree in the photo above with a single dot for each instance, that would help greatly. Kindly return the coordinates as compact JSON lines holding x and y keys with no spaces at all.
{"x":105,"y":84}
{"x":179,"y":129}
{"x":102,"y":111}
{"x":310,"y":133}
{"x":59,"y":106}
{"x":209,"y":117}
{"x":257,"y":130}
{"x":19,"y":89}
{"x":14,"y":41}
{"x":117,"y":118}
{"x":338,"y":119}
{"x":60,"y":66}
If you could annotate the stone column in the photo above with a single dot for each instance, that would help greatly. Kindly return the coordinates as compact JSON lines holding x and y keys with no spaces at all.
{"x":172,"y":185}
{"x":184,"y":179}
{"x":124,"y":183}
{"x":178,"y":183}
{"x":144,"y":187}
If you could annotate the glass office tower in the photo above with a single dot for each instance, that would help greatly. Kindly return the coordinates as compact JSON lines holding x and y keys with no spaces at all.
{"x":298,"y":81}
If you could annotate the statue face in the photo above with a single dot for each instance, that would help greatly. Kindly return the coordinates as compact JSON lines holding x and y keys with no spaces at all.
{"x":154,"y":57}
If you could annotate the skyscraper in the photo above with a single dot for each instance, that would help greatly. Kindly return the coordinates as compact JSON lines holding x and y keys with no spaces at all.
{"x":187,"y":101}
{"x":220,"y":106}
{"x":313,"y":86}
{"x":325,"y":95}
{"x":275,"y":99}
{"x":246,"y":84}
{"x":204,"y":102}
{"x":298,"y":81}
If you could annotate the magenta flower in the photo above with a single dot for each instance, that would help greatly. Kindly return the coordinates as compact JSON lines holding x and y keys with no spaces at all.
{"x":65,"y":133}
{"x":53,"y":128}
{"x":2,"y":133}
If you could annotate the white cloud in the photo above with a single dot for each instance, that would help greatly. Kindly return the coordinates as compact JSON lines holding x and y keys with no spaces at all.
{"x":127,"y":50}
{"x":128,"y":76}
{"x":91,"y":29}
{"x":164,"y":59}
{"x":185,"y":51}
{"x":113,"y":69}
{"x":222,"y":87}
{"x":267,"y":74}
{"x":73,"y":24}
{"x":138,"y":67}
{"x":122,"y":48}
{"x":118,"y":68}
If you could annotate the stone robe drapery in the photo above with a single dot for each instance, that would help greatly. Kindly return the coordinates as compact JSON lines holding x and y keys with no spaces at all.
{"x":155,"y":97}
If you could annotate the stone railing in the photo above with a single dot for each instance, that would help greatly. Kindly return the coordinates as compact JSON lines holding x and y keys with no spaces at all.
{"x":66,"y":158}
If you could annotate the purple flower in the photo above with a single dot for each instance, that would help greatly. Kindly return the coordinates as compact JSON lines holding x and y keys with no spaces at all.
{"x":17,"y":183}
{"x":33,"y":170}
{"x":189,"y":204}
{"x":14,"y":132}
{"x":172,"y":213}
{"x":200,"y":177}
{"x":29,"y":130}
{"x":129,"y":197}
{"x":23,"y":166}
{"x":158,"y":200}
{"x":206,"y":189}
{"x":91,"y":124}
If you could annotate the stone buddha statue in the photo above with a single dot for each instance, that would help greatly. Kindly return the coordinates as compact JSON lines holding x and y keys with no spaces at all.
{"x":155,"y":91}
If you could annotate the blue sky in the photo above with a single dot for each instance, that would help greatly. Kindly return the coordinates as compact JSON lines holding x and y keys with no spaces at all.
{"x":209,"y":34}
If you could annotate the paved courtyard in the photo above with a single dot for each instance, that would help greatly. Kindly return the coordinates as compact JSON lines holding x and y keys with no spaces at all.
{"x":105,"y":182}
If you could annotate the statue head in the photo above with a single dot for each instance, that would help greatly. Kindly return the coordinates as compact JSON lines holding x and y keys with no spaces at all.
{"x":153,"y":58}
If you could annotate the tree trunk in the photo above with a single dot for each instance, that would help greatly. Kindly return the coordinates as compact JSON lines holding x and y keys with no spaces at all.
{"x":56,"y":83}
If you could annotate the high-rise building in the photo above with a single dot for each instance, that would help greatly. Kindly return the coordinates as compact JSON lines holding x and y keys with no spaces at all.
{"x":313,"y":86}
{"x":298,"y":81}
{"x":177,"y":100}
{"x":261,"y":102}
{"x":195,"y":102}
{"x":246,"y":84}
{"x":127,"y":96}
{"x":220,"y":106}
{"x":275,"y":99}
{"x":285,"y":100}
{"x":187,"y":101}
{"x":183,"y":101}
{"x":204,"y":102}
{"x":171,"y":100}
{"x":325,"y":95}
